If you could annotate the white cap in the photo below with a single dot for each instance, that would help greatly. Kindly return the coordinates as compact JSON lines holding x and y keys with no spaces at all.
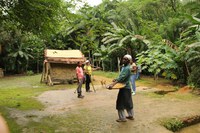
{"x":128,"y":57}
{"x":87,"y":61}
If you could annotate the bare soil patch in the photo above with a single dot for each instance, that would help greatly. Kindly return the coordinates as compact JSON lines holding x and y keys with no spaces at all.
{"x":148,"y":110}
{"x":185,"y":89}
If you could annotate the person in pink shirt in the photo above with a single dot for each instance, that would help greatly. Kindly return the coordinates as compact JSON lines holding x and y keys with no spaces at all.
{"x":80,"y":77}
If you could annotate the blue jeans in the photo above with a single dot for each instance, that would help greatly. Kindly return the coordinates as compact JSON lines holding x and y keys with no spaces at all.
{"x":133,"y":78}
{"x":137,"y":75}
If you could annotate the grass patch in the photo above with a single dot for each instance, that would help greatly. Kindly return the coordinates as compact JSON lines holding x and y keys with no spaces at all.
{"x":161,"y":83}
{"x":172,"y":124}
{"x":111,"y":75}
{"x":79,"y":121}
{"x":153,"y":95}
{"x":22,"y":99}
{"x":182,"y":96}
{"x":20,"y":92}
{"x":13,"y":126}
{"x":71,"y":124}
{"x":176,"y":124}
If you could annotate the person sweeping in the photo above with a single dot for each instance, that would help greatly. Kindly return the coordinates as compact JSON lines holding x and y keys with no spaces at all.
{"x":124,"y":98}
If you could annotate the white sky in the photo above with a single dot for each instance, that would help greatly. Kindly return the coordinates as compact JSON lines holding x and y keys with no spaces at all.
{"x":90,"y":2}
{"x":94,"y":2}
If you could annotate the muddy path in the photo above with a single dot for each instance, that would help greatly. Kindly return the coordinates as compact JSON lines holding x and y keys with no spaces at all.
{"x":101,"y":105}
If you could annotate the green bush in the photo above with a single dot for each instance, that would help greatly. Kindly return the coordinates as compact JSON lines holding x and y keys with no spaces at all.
{"x":29,"y":73}
{"x":194,"y":79}
{"x":173,"y":124}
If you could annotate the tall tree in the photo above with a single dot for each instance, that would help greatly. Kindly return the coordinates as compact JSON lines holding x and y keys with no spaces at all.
{"x":36,"y":16}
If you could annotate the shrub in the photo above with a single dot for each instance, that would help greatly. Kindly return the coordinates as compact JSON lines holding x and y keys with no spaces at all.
{"x":194,"y":79}
{"x":29,"y":73}
{"x":173,"y":124}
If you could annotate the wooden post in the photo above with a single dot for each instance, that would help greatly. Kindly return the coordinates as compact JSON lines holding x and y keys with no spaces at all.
{"x":46,"y":70}
{"x":50,"y":83}
{"x":49,"y":80}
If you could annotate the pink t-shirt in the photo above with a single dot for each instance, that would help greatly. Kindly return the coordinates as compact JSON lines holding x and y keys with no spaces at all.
{"x":79,"y":72}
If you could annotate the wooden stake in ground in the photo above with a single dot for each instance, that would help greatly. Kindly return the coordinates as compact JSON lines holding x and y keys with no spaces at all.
{"x":92,"y":84}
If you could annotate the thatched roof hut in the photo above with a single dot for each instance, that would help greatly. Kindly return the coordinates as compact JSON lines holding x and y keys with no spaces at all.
{"x":59,"y":66}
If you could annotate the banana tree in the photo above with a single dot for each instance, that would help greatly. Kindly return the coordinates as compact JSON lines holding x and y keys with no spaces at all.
{"x":124,"y":38}
{"x":105,"y":52}
{"x":157,"y":62}
{"x":20,"y":56}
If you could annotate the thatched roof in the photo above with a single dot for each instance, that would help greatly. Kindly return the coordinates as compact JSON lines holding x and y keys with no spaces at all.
{"x":64,"y":56}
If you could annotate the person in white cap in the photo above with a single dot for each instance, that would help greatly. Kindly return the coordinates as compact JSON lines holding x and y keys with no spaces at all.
{"x":88,"y":73}
{"x":124,"y":98}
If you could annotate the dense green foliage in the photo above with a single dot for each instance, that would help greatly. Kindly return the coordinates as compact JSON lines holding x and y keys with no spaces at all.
{"x":194,"y":79}
{"x":162,"y":35}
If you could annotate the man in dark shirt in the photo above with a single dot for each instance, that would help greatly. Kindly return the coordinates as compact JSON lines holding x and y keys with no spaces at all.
{"x":124,"y":98}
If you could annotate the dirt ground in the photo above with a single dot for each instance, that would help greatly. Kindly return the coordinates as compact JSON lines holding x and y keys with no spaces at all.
{"x":147,"y":110}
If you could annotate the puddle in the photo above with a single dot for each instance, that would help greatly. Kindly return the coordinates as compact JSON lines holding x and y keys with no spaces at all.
{"x":163,"y":92}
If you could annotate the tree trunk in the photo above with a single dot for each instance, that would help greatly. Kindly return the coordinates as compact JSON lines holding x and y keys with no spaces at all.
{"x":92,"y":60}
{"x":103,"y":65}
{"x":186,"y":66}
{"x":0,"y":49}
{"x":155,"y":77}
{"x":185,"y":71}
{"x":173,"y":3}
{"x":38,"y":69}
{"x":111,"y":65}
{"x":118,"y":64}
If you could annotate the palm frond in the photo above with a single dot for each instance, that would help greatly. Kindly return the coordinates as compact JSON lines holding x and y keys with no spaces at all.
{"x":132,"y":24}
{"x":108,"y":34}
{"x":124,"y":39}
{"x":197,"y":19}
{"x":113,"y":46}
{"x":97,"y":54}
{"x":193,"y":53}
{"x":114,"y":25}
{"x":194,"y":45}
{"x":111,"y":40}
{"x":113,"y":50}
{"x":139,"y":37}
{"x":146,"y":41}
{"x":103,"y":48}
{"x":70,"y":31}
{"x":170,"y":44}
{"x":106,"y":38}
{"x":194,"y":58}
